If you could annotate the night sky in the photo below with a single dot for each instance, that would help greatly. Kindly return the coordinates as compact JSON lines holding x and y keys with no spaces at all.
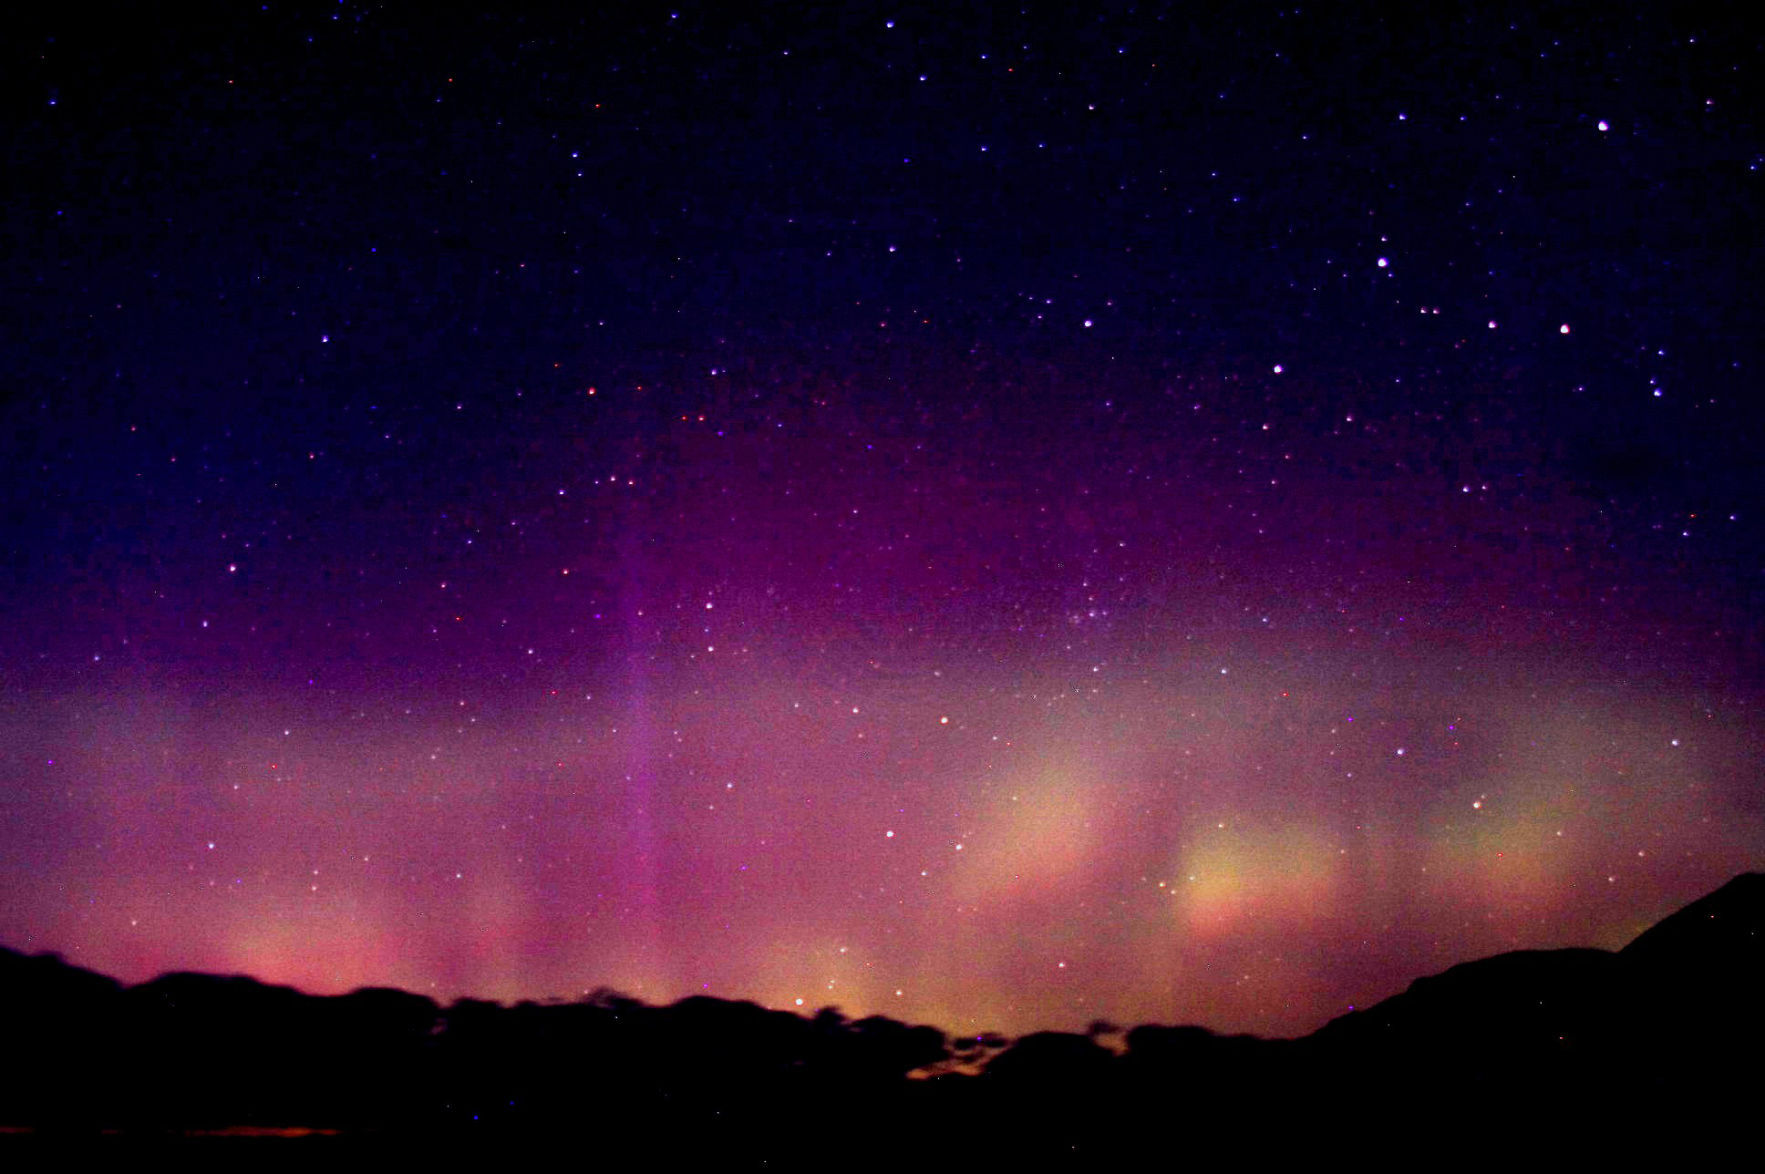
{"x":998,"y":517}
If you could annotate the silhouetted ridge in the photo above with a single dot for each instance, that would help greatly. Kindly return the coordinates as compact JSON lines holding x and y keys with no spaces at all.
{"x":1528,"y":999}
{"x":1666,"y":1030}
{"x":1698,"y":976}
{"x":1725,"y":929}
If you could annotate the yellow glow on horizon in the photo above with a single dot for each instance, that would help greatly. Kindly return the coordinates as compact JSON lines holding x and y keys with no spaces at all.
{"x":1229,"y":877}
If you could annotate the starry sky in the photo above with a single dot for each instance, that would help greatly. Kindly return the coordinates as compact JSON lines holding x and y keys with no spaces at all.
{"x":997,"y":516}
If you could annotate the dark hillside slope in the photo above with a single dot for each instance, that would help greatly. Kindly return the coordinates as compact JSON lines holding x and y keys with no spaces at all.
{"x":1520,"y":1046}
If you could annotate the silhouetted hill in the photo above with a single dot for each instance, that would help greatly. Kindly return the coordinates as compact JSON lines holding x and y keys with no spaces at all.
{"x":1706,"y":961}
{"x":1533,"y":1002}
{"x":1722,"y":934}
{"x":1524,"y":1045}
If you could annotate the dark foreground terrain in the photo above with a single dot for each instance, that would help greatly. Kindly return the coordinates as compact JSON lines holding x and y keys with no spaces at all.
{"x":1523,"y":1058}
